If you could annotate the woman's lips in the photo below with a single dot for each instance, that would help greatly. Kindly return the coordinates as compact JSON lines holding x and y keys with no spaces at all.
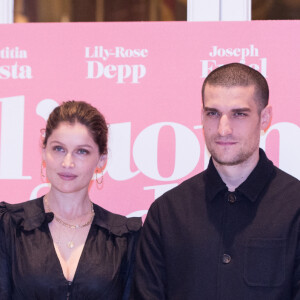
{"x":67,"y":176}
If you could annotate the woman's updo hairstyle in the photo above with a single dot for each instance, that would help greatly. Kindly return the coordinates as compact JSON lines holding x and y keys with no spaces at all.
{"x":83,"y":113}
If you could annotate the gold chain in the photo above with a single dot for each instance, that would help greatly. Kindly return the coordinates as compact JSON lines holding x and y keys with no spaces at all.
{"x":77,"y":226}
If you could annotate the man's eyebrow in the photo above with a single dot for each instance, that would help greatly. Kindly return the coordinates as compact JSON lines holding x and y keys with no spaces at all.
{"x":206,"y":108}
{"x":242,"y":109}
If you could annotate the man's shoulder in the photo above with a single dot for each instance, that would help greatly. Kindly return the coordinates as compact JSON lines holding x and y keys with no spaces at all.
{"x":282,"y":191}
{"x":283,"y":180}
{"x":187,"y":190}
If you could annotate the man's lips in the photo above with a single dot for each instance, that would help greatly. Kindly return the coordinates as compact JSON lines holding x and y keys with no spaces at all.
{"x":67,"y":176}
{"x":225,"y":143}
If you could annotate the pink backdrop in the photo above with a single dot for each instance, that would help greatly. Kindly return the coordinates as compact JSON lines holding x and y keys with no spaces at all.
{"x":146,"y":79}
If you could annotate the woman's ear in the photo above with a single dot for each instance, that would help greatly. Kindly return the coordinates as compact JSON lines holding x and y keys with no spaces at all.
{"x":102,"y":162}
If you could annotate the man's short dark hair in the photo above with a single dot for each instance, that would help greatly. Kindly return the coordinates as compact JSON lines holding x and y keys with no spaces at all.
{"x":236,"y":74}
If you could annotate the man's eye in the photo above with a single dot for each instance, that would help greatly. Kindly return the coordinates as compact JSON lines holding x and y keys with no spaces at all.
{"x":240,"y":114}
{"x":212,"y":113}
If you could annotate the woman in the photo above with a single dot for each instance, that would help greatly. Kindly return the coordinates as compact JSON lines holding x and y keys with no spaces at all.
{"x":62,"y":246}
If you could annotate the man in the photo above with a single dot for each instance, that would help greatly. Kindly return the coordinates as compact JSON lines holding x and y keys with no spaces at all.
{"x":232,"y":231}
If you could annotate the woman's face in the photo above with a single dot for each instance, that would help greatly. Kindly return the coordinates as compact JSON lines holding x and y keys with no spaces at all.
{"x":71,"y":156}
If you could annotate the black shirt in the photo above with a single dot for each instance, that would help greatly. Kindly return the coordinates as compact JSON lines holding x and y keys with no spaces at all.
{"x":200,"y":241}
{"x":30,"y":268}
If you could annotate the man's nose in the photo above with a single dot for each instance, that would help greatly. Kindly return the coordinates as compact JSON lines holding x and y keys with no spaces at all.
{"x":224,"y":126}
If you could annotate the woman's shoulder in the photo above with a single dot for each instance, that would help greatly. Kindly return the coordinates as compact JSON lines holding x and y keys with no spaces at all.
{"x":116,"y":224}
{"x":8,"y":210}
{"x":20,"y":213}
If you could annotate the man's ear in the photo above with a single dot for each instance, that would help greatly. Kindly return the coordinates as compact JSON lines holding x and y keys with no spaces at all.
{"x":265,"y":118}
{"x":202,"y":114}
{"x":102,"y":162}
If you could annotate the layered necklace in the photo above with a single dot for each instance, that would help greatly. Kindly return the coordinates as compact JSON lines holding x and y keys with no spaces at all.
{"x":73,"y":227}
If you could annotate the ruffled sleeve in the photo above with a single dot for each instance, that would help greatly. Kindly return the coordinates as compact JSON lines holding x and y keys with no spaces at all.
{"x":3,"y":210}
{"x":5,"y":259}
{"x":116,"y":224}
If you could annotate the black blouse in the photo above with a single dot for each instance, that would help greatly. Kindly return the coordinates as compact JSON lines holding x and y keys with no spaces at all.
{"x":30,"y":268}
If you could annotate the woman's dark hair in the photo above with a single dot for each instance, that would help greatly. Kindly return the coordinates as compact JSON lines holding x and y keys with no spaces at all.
{"x":83,"y":113}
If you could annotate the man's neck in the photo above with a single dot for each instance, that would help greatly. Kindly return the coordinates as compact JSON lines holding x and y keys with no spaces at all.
{"x":234,"y":176}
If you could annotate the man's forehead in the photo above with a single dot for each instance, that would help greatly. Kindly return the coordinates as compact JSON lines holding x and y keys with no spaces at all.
{"x":219,"y":91}
{"x":233,"y":96}
{"x":227,"y":88}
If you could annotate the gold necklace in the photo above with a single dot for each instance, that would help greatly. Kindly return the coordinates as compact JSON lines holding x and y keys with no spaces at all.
{"x":70,"y":244}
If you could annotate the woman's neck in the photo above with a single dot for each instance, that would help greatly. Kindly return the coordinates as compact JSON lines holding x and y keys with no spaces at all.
{"x":69,"y":205}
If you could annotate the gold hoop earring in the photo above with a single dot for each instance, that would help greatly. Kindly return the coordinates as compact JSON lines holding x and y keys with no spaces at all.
{"x":43,"y":166}
{"x":99,"y":182}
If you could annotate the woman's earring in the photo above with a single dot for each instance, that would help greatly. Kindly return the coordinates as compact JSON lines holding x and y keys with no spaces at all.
{"x":43,"y":166}
{"x":99,"y":180}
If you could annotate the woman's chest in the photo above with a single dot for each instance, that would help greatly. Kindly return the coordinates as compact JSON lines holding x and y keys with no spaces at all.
{"x":36,"y":267}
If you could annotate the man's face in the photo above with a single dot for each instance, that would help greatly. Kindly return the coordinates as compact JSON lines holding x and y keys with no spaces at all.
{"x":232,"y":124}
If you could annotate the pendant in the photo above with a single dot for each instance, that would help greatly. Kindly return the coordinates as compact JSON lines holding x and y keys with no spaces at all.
{"x":70,"y":244}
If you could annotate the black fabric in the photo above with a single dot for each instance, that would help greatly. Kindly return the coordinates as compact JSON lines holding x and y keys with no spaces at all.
{"x":200,"y":241}
{"x":29,"y":266}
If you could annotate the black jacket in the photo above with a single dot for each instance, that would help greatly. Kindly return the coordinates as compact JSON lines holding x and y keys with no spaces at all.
{"x":201,"y":242}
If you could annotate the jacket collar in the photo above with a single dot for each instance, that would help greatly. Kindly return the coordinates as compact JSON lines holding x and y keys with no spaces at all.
{"x":258,"y":179}
{"x":251,"y":188}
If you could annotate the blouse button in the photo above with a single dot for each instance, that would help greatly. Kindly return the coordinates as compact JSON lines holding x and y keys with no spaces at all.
{"x":231,"y":198}
{"x":226,"y":259}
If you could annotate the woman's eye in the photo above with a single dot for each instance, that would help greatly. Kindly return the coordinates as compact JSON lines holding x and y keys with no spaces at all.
{"x":58,"y":148}
{"x":82,"y":151}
